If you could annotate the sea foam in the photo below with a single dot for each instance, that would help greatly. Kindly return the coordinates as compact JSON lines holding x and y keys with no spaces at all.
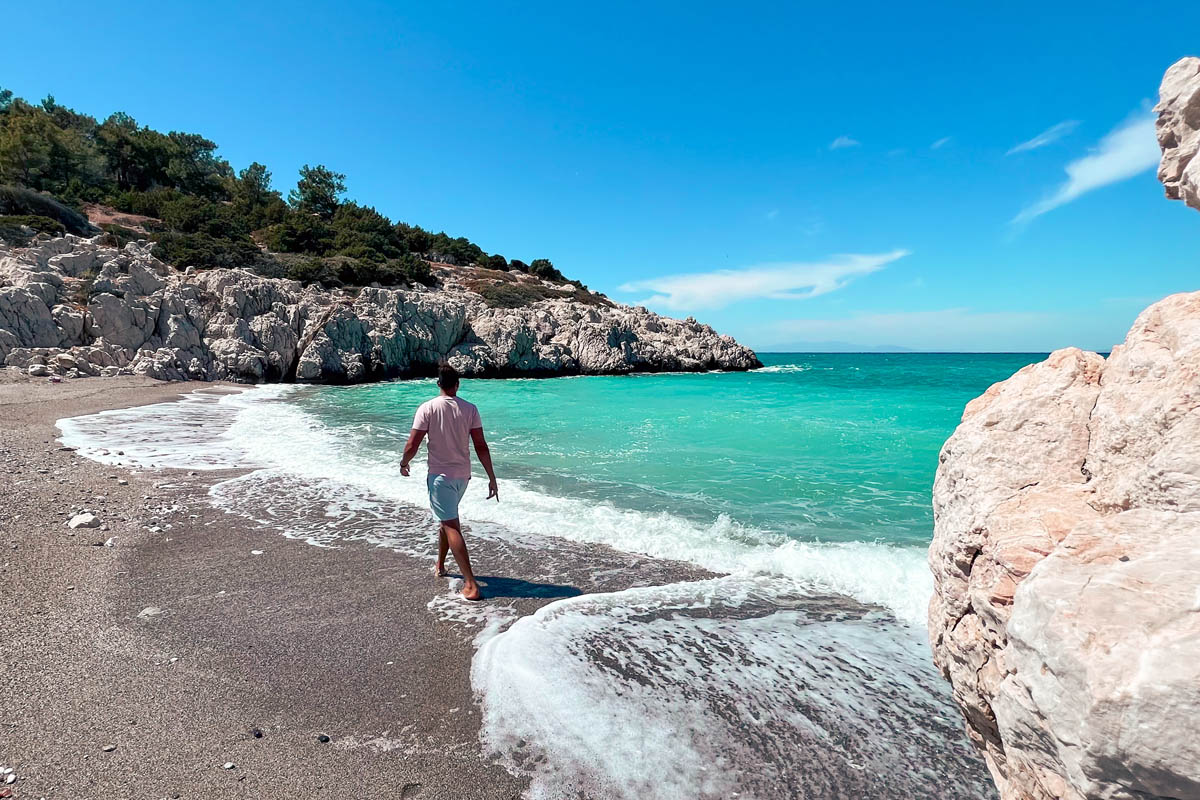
{"x":733,"y":687}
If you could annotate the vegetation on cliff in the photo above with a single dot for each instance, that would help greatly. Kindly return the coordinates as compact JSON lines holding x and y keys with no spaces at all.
{"x":55,"y":161}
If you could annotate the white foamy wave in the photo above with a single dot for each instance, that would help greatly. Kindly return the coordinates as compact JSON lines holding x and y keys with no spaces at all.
{"x":189,"y":433}
{"x":784,"y":368}
{"x":721,"y":688}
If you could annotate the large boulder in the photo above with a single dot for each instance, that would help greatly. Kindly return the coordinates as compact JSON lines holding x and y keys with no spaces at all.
{"x":1178,"y":130}
{"x":1065,"y":555}
{"x":1066,"y":548}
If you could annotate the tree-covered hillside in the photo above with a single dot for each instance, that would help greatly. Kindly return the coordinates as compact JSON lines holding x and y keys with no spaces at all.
{"x":203,"y":213}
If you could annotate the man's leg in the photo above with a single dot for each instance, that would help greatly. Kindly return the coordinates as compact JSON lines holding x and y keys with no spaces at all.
{"x":439,"y":568}
{"x":458,"y":545}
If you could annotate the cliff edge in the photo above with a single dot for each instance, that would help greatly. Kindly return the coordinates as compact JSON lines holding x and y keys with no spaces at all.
{"x":1066,"y":613}
{"x":73,"y":306}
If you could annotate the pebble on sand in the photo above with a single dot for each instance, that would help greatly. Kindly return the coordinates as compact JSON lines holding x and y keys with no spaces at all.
{"x":150,"y":611}
{"x":108,"y":748}
{"x":228,"y":765}
{"x":84,"y":520}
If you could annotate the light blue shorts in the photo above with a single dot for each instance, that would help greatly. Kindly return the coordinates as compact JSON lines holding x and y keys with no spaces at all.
{"x":444,"y":494}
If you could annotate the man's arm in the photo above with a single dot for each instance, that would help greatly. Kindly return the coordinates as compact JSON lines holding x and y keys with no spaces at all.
{"x":485,"y":458}
{"x":410,"y":450}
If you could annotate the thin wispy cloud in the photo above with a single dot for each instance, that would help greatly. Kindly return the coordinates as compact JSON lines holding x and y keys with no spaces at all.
{"x":843,"y":141}
{"x":773,"y":214}
{"x":787,"y":281}
{"x":940,"y":143}
{"x":1127,"y":150}
{"x":1048,"y":136}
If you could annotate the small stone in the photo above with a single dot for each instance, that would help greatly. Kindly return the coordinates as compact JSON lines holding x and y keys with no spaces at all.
{"x":10,"y":778}
{"x":256,"y":552}
{"x":228,"y":765}
{"x":112,"y":540}
{"x":256,"y":733}
{"x":84,"y":520}
{"x":108,"y":748}
{"x":322,"y":738}
{"x":122,"y":482}
{"x":149,"y":611}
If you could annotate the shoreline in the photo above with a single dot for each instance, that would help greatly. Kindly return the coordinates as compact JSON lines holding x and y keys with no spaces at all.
{"x":293,"y":643}
{"x":216,"y":617}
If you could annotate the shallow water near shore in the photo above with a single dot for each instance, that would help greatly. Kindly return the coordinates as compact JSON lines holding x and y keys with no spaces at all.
{"x":734,"y":564}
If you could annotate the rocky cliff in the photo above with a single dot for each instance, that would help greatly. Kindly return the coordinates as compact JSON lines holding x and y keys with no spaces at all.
{"x":1066,"y":550}
{"x":73,"y":306}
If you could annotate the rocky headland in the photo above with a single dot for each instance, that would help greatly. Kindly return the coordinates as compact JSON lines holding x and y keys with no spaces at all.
{"x":73,"y":306}
{"x":1066,"y":550}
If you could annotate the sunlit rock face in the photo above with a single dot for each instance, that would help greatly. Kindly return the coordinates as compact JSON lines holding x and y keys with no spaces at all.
{"x":1066,"y":549}
{"x":75,"y":307}
{"x":1178,"y":130}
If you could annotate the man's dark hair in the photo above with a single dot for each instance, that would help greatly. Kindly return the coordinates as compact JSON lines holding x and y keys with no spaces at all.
{"x":447,"y":376}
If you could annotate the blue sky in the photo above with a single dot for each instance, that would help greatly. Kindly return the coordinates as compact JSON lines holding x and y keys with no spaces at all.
{"x":790,"y":173}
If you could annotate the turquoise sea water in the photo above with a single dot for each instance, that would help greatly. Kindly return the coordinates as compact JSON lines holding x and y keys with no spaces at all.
{"x":815,"y":447}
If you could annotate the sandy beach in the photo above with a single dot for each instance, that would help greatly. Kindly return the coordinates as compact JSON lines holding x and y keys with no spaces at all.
{"x":142,"y":667}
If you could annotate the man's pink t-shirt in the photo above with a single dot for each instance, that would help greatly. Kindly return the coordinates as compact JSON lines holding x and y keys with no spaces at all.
{"x":449,"y":421}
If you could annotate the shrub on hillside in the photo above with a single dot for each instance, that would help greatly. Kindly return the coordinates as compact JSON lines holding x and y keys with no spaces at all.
{"x":364,"y":233}
{"x":202,"y":251}
{"x":542,"y":268}
{"x":20,"y":230}
{"x":118,"y":235}
{"x":334,"y":271}
{"x":17,"y":201}
{"x":300,"y":233}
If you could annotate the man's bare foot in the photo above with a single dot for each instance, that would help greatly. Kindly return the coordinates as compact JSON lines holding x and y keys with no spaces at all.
{"x":439,"y":570}
{"x":471,"y":593}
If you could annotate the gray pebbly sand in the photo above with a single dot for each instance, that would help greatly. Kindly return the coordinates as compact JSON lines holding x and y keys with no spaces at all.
{"x":294,"y":643}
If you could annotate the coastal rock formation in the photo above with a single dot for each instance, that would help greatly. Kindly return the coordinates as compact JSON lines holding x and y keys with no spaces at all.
{"x":73,"y":306}
{"x":1066,"y":550}
{"x":1178,"y":131}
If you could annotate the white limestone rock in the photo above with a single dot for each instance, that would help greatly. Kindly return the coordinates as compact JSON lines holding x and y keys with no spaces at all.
{"x":1178,"y":130}
{"x":1066,"y":612}
{"x":84,"y":520}
{"x":230,"y":324}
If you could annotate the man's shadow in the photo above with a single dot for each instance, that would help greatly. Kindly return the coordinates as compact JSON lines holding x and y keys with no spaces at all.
{"x":496,"y":586}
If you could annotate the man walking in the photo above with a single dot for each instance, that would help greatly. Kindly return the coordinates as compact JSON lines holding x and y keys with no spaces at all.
{"x":450,"y":423}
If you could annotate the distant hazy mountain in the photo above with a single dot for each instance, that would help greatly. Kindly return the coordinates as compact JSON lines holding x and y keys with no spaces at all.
{"x":836,"y":347}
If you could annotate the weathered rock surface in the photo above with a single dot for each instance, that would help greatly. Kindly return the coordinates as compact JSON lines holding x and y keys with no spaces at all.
{"x":74,"y":307}
{"x":1066,"y":552}
{"x":1066,"y":557}
{"x":1178,"y":130}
